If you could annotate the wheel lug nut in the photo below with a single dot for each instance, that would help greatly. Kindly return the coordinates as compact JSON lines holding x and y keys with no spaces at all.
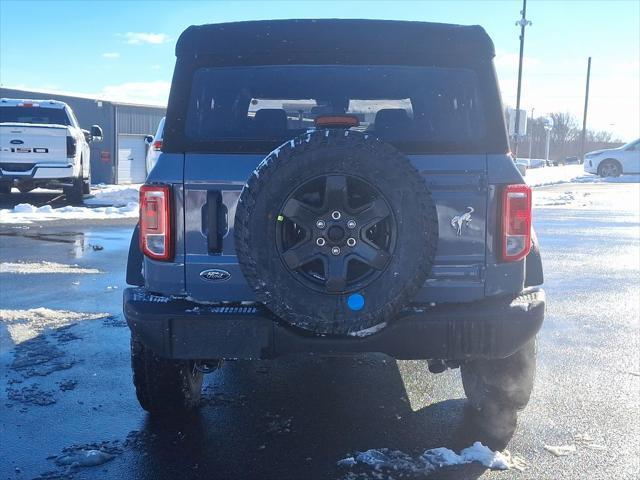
{"x":321,"y":242}
{"x":351,"y":224}
{"x":335,"y":250}
{"x":351,"y":242}
{"x":320,"y":224}
{"x":336,"y":215}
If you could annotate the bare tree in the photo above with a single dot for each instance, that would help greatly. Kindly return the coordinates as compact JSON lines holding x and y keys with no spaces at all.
{"x":565,"y":137}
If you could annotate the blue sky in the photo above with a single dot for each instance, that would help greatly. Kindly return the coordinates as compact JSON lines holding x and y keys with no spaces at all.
{"x":124,"y":49}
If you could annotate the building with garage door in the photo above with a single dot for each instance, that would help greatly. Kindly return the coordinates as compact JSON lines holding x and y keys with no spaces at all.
{"x":120,"y":157}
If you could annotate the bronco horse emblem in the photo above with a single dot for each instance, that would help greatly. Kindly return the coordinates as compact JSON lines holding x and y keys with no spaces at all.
{"x":464,"y":219}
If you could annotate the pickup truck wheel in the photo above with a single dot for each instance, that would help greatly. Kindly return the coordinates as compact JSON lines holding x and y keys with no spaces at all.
{"x":502,"y":385}
{"x":5,"y":188}
{"x":164,"y":386}
{"x":335,"y":232}
{"x":74,"y":193}
{"x":86,"y":185}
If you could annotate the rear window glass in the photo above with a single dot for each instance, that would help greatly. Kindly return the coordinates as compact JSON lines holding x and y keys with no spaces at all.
{"x":412,"y":105}
{"x":39,"y":115}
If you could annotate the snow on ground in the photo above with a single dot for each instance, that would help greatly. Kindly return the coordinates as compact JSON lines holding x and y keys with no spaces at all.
{"x":107,"y":202}
{"x":432,"y":459}
{"x":23,"y":325}
{"x":43,"y":267}
{"x":537,"y":177}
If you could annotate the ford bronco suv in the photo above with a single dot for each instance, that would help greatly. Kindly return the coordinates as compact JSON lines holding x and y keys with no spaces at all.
{"x":334,"y":187}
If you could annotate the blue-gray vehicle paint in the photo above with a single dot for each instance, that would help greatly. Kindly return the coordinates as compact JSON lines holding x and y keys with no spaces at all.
{"x":466,"y":266}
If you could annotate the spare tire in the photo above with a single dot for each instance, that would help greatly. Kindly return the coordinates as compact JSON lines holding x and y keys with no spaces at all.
{"x":335,"y":232}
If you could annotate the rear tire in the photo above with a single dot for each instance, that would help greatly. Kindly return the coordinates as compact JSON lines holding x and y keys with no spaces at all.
{"x":164,"y":386}
{"x":5,"y":188}
{"x":74,"y":193}
{"x":504,"y":384}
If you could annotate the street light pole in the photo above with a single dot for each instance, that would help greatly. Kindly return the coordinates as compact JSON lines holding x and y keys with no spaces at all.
{"x":522,"y":23}
{"x":584,"y":116}
{"x":547,"y":123}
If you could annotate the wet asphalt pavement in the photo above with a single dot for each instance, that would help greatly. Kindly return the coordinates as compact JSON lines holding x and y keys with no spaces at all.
{"x":69,"y":386}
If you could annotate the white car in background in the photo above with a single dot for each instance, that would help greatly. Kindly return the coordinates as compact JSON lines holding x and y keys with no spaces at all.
{"x":155,"y":146}
{"x":42,"y":145}
{"x":614,"y":161}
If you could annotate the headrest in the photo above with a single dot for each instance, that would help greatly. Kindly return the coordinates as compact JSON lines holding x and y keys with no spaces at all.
{"x":272,"y":116}
{"x":391,"y":117}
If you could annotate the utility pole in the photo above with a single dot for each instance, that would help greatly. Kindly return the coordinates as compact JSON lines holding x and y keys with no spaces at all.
{"x":522,"y":23}
{"x":531,"y":134}
{"x":584,"y":116}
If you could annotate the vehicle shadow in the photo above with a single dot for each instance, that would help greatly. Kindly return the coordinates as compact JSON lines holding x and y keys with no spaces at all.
{"x":291,"y":418}
{"x":296,"y":418}
{"x":54,"y":198}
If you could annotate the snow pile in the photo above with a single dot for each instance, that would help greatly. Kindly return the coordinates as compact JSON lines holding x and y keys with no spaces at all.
{"x":107,"y":202}
{"x":27,"y":213}
{"x":113,"y":195}
{"x":84,"y":458}
{"x":433,"y":459}
{"x":43,"y":267}
{"x":23,"y":325}
{"x":570,"y":173}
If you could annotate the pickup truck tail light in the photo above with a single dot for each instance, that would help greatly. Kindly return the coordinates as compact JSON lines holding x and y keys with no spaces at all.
{"x":71,"y":147}
{"x":516,"y":222}
{"x":156,"y":241}
{"x":157,"y":145}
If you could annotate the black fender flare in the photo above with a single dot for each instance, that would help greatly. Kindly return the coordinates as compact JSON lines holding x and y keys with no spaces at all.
{"x":533,"y":264}
{"x":134,"y":262}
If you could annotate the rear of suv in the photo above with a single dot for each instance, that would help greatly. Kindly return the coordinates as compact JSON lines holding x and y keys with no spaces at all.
{"x":334,"y":187}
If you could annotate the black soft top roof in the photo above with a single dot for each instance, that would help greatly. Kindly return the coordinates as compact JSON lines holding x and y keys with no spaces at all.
{"x":332,"y":36}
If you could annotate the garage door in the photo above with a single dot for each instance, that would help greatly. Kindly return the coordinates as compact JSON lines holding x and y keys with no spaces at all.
{"x":131,"y":158}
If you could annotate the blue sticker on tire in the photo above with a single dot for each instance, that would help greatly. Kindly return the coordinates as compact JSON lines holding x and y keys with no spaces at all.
{"x":355,"y":302}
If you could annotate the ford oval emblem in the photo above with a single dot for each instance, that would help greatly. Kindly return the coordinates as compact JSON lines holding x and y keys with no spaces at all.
{"x":215,"y":275}
{"x":16,"y":142}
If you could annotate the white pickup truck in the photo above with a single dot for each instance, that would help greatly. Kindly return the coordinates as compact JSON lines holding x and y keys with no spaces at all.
{"x":42,"y":145}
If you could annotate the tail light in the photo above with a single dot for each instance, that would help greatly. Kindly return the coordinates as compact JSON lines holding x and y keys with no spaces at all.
{"x":155,"y":222}
{"x":71,"y":147}
{"x":157,"y":145}
{"x":516,"y":222}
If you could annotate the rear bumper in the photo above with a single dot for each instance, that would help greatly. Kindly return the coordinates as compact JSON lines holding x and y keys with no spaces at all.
{"x":39,"y":172}
{"x":177,"y":328}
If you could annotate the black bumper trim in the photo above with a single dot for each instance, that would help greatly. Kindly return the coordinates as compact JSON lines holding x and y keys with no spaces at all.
{"x":177,"y":328}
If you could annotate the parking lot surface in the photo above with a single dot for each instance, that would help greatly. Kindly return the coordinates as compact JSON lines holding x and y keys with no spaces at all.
{"x":67,"y":387}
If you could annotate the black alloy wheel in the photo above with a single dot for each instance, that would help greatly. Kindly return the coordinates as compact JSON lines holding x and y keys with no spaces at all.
{"x":336,"y":233}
